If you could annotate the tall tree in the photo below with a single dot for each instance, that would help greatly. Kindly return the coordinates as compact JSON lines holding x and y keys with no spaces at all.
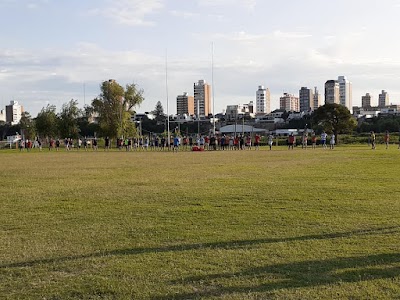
{"x":114,"y":108}
{"x":27,"y":125}
{"x":334,"y":118}
{"x":68,"y":119}
{"x":158,"y":112}
{"x":46,"y":122}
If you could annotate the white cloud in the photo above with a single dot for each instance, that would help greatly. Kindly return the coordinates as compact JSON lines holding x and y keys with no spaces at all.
{"x":291,"y":35}
{"x":184,"y":14}
{"x":129,"y":12}
{"x":247,"y":4}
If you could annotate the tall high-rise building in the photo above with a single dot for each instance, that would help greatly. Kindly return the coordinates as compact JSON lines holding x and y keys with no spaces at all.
{"x":263,"y":100}
{"x":366,"y":101}
{"x":202,"y":98}
{"x":317,"y":98}
{"x":14,"y":112}
{"x":345,"y":91}
{"x":332,"y":94}
{"x":289,"y":102}
{"x":185,"y":104}
{"x":306,"y":97}
{"x":383,"y":99}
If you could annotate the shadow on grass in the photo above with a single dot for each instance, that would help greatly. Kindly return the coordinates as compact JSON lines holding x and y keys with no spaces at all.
{"x":200,"y":246}
{"x":293,"y":275}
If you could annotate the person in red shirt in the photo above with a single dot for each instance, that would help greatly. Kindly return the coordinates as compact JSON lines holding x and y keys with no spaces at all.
{"x":236,"y":143}
{"x":291,"y":141}
{"x":257,"y":141}
{"x":314,"y":141}
{"x":248,"y":142}
{"x":387,"y":139}
{"x":207,"y":143}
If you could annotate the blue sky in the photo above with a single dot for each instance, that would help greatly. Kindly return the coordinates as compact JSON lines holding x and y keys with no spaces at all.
{"x":50,"y":49}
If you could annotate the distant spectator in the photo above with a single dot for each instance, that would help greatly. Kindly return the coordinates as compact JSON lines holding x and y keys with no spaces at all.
{"x":270,"y":141}
{"x":387,"y":139}
{"x":291,"y":141}
{"x":257,"y":142}
{"x":332,"y":141}
{"x":176,"y":144}
{"x":324,"y":136}
{"x":314,"y":141}
{"x":373,"y":140}
{"x":95,"y":144}
{"x":107,"y":144}
{"x":304,"y":140}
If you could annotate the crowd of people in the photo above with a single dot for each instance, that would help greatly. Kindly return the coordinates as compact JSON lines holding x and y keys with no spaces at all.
{"x":195,"y":143}
{"x":305,"y":137}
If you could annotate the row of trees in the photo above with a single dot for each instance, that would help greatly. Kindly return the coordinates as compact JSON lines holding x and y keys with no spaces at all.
{"x":112,"y":109}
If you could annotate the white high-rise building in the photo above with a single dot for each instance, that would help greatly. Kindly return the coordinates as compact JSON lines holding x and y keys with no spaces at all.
{"x":289,"y":102}
{"x":263,"y":100}
{"x":14,"y":112}
{"x":345,"y":92}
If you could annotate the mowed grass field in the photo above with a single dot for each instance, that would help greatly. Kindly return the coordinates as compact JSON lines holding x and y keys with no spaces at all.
{"x":279,"y":224}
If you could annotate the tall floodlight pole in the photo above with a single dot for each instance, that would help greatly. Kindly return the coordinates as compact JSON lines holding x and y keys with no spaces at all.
{"x":213,"y":86}
{"x":166,"y":88}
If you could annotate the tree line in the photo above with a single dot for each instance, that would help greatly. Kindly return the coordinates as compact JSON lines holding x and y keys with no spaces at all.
{"x":112,"y":111}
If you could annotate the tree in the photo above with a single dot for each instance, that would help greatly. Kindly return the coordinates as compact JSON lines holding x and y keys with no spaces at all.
{"x":46,"y":122}
{"x":334,"y":118}
{"x":27,"y":125}
{"x":114,"y":108}
{"x":158,"y":112}
{"x":68,"y":119}
{"x":86,"y":124}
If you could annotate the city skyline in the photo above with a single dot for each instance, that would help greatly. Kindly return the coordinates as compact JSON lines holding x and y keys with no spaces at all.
{"x":62,"y":50}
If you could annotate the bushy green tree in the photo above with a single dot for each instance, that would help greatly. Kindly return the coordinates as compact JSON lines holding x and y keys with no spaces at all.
{"x":334,"y":118}
{"x":27,"y":125}
{"x":68,"y":120}
{"x":114,"y":108}
{"x":46,"y":122}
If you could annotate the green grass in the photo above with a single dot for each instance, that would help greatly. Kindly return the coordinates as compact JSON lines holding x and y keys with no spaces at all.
{"x":263,"y":224}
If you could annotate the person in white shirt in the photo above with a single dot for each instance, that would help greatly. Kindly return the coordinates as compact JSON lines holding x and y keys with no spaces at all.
{"x":332,"y":142}
{"x":323,"y":139}
{"x":270,"y":141}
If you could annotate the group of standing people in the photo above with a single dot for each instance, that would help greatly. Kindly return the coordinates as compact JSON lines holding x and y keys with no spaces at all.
{"x":68,"y":144}
{"x":304,"y":141}
{"x":201,"y":142}
{"x":386,"y":140}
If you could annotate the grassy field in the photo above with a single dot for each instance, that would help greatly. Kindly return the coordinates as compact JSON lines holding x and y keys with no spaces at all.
{"x":263,"y":224}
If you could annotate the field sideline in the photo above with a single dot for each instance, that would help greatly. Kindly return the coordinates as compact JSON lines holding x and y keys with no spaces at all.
{"x":301,"y":224}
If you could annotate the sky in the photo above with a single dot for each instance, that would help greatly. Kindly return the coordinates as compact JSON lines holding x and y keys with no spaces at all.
{"x":52,"y":51}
